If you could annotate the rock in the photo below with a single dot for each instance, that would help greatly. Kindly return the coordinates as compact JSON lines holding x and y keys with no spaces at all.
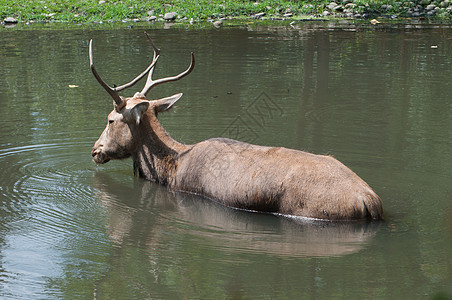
{"x":288,"y":15}
{"x":430,"y":7}
{"x":101,"y":2}
{"x":10,"y":20}
{"x":217,"y":24}
{"x":444,"y":4}
{"x":350,"y":5}
{"x":332,"y":5}
{"x":258,"y":15}
{"x":152,"y":18}
{"x":325,"y":13}
{"x":171,"y":16}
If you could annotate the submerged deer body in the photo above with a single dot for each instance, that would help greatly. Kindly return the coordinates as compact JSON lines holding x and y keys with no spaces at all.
{"x":236,"y":174}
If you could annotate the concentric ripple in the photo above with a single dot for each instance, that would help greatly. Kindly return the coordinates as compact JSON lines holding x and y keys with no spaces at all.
{"x":48,"y":209}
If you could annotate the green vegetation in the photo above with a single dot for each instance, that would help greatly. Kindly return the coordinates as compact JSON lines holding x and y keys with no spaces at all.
{"x":89,"y":11}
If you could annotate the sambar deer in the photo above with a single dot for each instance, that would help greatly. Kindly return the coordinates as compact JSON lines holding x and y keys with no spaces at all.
{"x":236,"y":174}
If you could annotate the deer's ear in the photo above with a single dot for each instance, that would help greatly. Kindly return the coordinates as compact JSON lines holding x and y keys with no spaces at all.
{"x":138,"y":111}
{"x":166,"y":103}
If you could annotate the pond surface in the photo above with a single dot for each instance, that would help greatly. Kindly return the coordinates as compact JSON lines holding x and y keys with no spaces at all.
{"x":377,"y":98}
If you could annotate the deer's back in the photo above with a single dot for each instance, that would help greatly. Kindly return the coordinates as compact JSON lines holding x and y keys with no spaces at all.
{"x":275,"y":179}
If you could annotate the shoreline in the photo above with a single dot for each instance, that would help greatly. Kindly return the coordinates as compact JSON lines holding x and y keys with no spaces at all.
{"x":79,"y":12}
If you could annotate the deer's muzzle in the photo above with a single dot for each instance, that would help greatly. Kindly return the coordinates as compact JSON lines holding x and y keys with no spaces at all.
{"x":99,"y":157}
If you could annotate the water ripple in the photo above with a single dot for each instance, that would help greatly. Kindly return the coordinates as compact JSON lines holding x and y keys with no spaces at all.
{"x":48,"y":210}
{"x":48,"y":182}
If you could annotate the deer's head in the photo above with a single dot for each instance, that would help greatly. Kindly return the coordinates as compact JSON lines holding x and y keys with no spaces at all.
{"x":122,"y":133}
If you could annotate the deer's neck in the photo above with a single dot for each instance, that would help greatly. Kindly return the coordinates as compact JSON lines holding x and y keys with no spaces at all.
{"x":157,"y":153}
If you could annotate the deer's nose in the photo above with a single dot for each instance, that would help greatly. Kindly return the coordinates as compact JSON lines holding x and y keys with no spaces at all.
{"x":95,"y":151}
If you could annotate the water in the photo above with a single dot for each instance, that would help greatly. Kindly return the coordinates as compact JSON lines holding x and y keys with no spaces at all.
{"x":377,"y":98}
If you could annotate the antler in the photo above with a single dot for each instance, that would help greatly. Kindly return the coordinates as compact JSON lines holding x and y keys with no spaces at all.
{"x":114,"y":91}
{"x":150,"y":83}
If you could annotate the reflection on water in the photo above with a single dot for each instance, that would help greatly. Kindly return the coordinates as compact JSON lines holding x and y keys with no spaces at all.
{"x":222,"y":227}
{"x":374,"y":97}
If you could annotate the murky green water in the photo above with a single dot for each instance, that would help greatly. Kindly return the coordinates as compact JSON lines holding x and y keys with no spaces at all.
{"x":378,"y":99}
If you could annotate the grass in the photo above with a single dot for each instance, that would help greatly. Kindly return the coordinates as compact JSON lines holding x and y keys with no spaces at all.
{"x":88,"y":11}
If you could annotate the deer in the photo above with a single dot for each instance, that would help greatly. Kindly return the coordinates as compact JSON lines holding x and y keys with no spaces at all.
{"x":239,"y":175}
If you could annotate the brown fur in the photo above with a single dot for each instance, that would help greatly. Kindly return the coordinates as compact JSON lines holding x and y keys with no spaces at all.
{"x":236,"y":174}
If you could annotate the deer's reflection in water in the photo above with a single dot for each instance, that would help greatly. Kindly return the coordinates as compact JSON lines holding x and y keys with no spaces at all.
{"x":154,"y":217}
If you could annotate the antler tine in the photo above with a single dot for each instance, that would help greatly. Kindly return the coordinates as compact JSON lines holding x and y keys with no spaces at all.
{"x":113,"y":93}
{"x":150,"y":83}
{"x":156,"y":50}
{"x":148,"y":69}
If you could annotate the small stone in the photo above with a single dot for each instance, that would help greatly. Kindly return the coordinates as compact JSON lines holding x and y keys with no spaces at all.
{"x":332,"y":5}
{"x":430,"y":7}
{"x":171,"y":16}
{"x":258,"y":15}
{"x":10,"y":20}
{"x":325,"y":13}
{"x":444,"y":4}
{"x":288,"y":15}
{"x":217,"y":24}
{"x":152,"y":18}
{"x":101,"y":2}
